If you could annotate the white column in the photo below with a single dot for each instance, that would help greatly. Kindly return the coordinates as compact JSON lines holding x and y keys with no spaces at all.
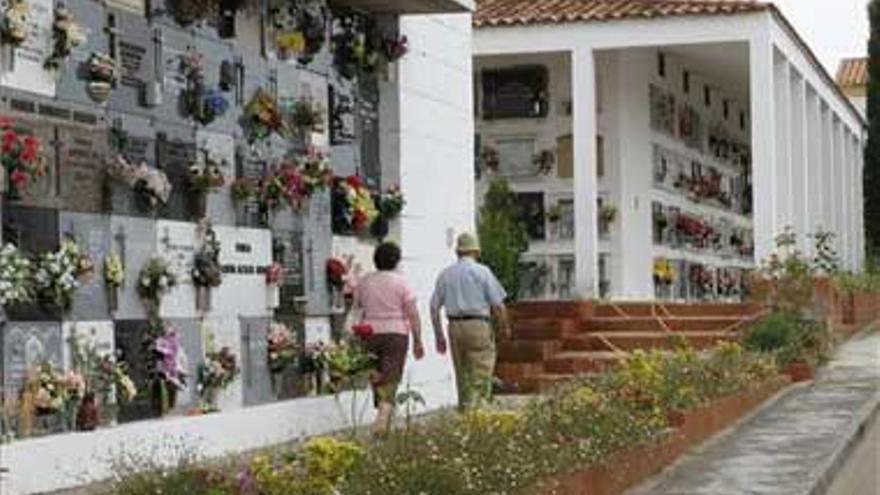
{"x":586,"y":237}
{"x":827,"y":169}
{"x":859,"y":210}
{"x":834,"y":181}
{"x":763,"y":143}
{"x":798,"y":156}
{"x":782,"y":117}
{"x":814,"y":124}
{"x":846,"y":255}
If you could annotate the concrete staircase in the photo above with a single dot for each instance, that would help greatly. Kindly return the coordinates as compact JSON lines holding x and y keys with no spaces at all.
{"x":556,"y":341}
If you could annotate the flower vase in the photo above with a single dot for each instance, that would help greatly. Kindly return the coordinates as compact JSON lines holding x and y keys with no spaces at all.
{"x":203,"y":299}
{"x":198,"y":204}
{"x":113,"y":298}
{"x":209,"y":400}
{"x":277,"y":385}
{"x":273,"y":296}
{"x":88,"y":414}
{"x":164,"y":398}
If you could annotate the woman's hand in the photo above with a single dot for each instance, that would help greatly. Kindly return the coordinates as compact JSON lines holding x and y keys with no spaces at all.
{"x":418,"y":349}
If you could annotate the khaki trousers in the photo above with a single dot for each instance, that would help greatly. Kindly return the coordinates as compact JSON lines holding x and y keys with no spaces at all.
{"x":473,"y":356}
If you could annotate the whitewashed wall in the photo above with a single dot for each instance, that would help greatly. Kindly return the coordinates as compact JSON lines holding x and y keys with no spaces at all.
{"x":431,"y":141}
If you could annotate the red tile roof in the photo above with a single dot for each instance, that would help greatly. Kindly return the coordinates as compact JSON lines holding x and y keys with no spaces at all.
{"x":523,"y":12}
{"x":853,"y":72}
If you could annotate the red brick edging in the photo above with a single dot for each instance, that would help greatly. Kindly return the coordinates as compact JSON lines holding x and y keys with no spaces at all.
{"x":628,"y":468}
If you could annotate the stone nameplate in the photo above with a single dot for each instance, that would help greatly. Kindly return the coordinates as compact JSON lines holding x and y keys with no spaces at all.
{"x":92,"y":233}
{"x":244,"y":255}
{"x":173,"y":44}
{"x":514,"y":92}
{"x":24,"y":70}
{"x":134,"y":138}
{"x":288,"y":247}
{"x":136,"y":7}
{"x":318,"y":247}
{"x":178,"y":243}
{"x":221,"y":148}
{"x":176,"y":149}
{"x":132,"y":348}
{"x":73,"y":81}
{"x":26,"y":345}
{"x":132,"y":45}
{"x":83,"y":158}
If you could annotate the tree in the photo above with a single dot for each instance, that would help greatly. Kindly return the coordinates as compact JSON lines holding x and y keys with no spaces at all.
{"x":872,"y":149}
{"x":503,"y":236}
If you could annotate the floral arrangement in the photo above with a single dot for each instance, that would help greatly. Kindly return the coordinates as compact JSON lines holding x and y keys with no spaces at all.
{"x":607,"y":213}
{"x":282,"y":347}
{"x":544,"y":161}
{"x":57,"y":274}
{"x":102,"y":373}
{"x":207,"y":271}
{"x":170,"y":364}
{"x":295,"y":184}
{"x":15,"y":277}
{"x":391,"y":202}
{"x":490,"y":159}
{"x":215,"y":373}
{"x":396,"y":47}
{"x":337,"y":273}
{"x":348,"y":363}
{"x":274,"y":274}
{"x":21,"y":156}
{"x":14,"y":28}
{"x":67,"y":35}
{"x":154,"y":281}
{"x":664,"y":273}
{"x":151,"y":183}
{"x":104,"y":75}
{"x":114,"y":271}
{"x":307,"y":115}
{"x":301,"y":30}
{"x":262,"y":117}
{"x":203,"y":104}
{"x":53,"y":391}
{"x":353,"y":206}
{"x":204,"y":176}
{"x":244,"y":189}
{"x":360,"y":47}
{"x":187,"y":12}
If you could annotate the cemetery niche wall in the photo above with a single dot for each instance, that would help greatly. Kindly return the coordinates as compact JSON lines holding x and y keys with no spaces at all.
{"x":173,"y":185}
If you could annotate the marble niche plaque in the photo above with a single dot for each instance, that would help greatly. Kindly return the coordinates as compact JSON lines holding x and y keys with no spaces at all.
{"x":133,"y":348}
{"x":83,"y":158}
{"x":92,"y":233}
{"x":22,"y":67}
{"x":255,"y":377}
{"x":178,"y":243}
{"x":134,"y":240}
{"x":134,"y":138}
{"x":74,"y":74}
{"x":288,"y":248}
{"x":132,"y":45}
{"x":217,"y":53}
{"x":26,"y":345}
{"x":244,"y":254}
{"x":172,"y":45}
{"x":318,"y":247}
{"x":176,"y":150}
{"x":221,"y":148}
{"x":226,"y":332}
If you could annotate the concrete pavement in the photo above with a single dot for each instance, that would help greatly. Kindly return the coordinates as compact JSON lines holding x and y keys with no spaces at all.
{"x":796,"y":444}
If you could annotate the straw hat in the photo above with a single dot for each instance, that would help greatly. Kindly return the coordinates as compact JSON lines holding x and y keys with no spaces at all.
{"x":467,"y":243}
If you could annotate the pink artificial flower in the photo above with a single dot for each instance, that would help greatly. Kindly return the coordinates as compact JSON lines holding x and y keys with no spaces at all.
{"x":30,"y":150}
{"x":19,"y":178}
{"x":10,"y":141}
{"x":5,"y":123}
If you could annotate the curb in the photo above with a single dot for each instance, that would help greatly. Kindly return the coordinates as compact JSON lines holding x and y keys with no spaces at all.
{"x":864,"y":418}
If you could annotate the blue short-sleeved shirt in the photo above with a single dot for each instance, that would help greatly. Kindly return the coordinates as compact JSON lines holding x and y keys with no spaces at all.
{"x":467,"y":288}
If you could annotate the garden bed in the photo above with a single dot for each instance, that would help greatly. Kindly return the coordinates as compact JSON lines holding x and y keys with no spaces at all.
{"x":630,"y":467}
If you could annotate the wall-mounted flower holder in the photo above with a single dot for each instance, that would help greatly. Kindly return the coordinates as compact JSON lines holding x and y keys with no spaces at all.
{"x":14,"y":27}
{"x":66,"y":35}
{"x":104,"y":75}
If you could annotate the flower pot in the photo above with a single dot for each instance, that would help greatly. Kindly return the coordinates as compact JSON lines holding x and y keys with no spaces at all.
{"x":675,"y":418}
{"x":203,"y":299}
{"x":113,"y":298}
{"x":799,"y":372}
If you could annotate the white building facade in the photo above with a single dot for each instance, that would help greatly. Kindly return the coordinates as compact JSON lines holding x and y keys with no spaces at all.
{"x":425,"y":143}
{"x":682,"y":141}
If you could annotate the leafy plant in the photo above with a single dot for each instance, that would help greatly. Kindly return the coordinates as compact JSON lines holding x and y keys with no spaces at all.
{"x":791,"y":338}
{"x":502,"y":235}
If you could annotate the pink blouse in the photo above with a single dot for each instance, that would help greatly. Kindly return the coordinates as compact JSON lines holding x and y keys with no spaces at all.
{"x":384,"y":297}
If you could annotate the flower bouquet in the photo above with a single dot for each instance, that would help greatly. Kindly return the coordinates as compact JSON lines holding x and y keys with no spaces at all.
{"x":58,"y":273}
{"x":243,"y":189}
{"x":262,"y":117}
{"x":204,"y":176}
{"x":169,"y":367}
{"x":14,"y":28}
{"x":353,"y":208}
{"x":49,"y":389}
{"x":202,"y":104}
{"x":337,"y":273}
{"x":307,"y":116}
{"x":154,"y":281}
{"x":114,"y":278}
{"x":349,"y":365}
{"x":150,"y":184}
{"x":391,"y":203}
{"x":207,"y":273}
{"x":15,"y":277}
{"x":215,"y":373}
{"x":67,"y":35}
{"x":21,"y":156}
{"x":282,"y":348}
{"x":396,"y":47}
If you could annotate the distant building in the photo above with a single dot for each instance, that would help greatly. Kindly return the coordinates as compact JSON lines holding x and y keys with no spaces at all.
{"x":852,"y":76}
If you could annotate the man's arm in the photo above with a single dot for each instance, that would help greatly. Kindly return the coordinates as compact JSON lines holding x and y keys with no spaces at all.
{"x":496,"y":295}
{"x":499,"y":314}
{"x":436,"y":320}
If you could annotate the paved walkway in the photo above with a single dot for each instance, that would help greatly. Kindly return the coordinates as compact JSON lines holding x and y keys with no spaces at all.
{"x":793,"y":446}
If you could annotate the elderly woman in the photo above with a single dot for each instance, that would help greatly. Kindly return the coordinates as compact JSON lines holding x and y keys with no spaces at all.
{"x":388,"y":307}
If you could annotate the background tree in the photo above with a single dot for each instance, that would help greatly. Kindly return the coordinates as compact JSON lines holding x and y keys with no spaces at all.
{"x":503,"y":236}
{"x":872,"y":149}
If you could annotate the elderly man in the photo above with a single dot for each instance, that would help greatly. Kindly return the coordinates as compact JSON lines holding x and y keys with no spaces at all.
{"x":472,"y":296}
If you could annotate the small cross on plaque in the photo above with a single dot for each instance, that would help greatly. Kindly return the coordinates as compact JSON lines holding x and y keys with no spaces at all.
{"x":120,"y":241}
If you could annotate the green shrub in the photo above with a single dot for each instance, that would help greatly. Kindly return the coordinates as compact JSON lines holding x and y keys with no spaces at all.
{"x":773,"y":333}
{"x":791,"y":338}
{"x":503,"y":236}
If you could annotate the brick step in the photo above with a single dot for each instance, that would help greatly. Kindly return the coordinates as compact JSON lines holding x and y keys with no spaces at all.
{"x":637,"y":309}
{"x":578,"y":362}
{"x":551,"y":309}
{"x":527,"y":351}
{"x":677,"y":324}
{"x":540,"y":384}
{"x":514,"y":373}
{"x":628,"y":341}
{"x":543,"y":328}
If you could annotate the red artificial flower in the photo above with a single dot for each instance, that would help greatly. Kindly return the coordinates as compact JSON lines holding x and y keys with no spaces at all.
{"x":359,"y":220}
{"x":10,"y":140}
{"x":31,"y":149}
{"x":354,"y":181}
{"x":274,"y":274}
{"x":5,"y":123}
{"x":336,"y":270}
{"x":362,"y":330}
{"x":19,"y":178}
